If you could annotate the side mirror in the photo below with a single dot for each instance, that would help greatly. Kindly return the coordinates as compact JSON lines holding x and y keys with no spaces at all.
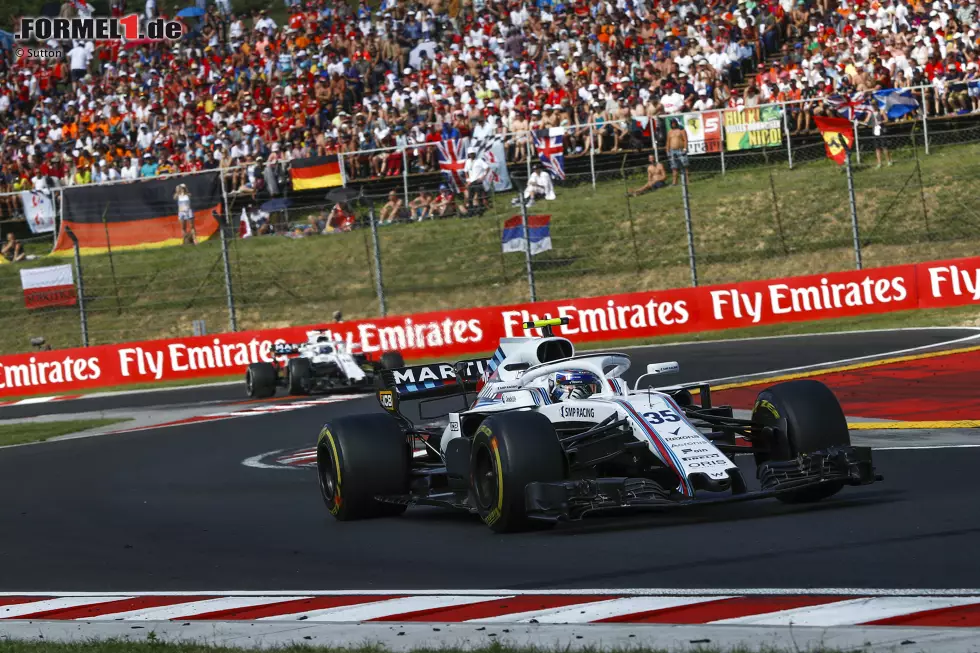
{"x":656,"y":369}
{"x":671,"y":367}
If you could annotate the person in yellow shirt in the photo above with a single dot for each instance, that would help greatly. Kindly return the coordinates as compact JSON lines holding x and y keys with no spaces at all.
{"x":83,"y":175}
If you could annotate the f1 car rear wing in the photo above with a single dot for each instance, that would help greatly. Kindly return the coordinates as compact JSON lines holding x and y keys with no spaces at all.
{"x":429,"y":381}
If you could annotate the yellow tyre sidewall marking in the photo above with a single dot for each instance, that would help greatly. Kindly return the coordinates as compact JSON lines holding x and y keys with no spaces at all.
{"x":494,"y":515}
{"x":325,"y":434}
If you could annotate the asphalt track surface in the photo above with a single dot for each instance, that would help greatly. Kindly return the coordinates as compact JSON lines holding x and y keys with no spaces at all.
{"x":175,"y":509}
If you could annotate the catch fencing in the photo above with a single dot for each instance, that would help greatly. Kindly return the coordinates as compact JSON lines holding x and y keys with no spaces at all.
{"x":761,"y":213}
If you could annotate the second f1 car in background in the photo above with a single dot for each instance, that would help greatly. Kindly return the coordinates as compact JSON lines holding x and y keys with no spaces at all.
{"x":317,"y":365}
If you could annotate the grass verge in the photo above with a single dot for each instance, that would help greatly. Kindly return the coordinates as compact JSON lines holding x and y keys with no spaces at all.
{"x":24,"y":432}
{"x":752,"y":223}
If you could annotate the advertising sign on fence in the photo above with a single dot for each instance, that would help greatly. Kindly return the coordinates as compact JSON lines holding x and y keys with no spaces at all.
{"x":464,"y":333}
{"x":750,"y":128}
{"x":703,"y":132}
{"x":53,"y":285}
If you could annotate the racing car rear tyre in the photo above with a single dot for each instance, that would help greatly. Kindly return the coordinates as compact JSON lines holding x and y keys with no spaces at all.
{"x":509,"y":451}
{"x":814,"y":421}
{"x":298,"y":375}
{"x":260,"y":380}
{"x":392,"y":360}
{"x":358,"y":458}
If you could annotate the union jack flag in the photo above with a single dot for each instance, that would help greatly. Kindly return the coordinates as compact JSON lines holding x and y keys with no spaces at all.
{"x":855,"y":107}
{"x":550,"y":146}
{"x":452,"y":159}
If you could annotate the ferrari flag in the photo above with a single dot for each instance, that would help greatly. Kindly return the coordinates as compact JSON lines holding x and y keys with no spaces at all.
{"x":838,"y":137}
{"x":317,"y":172}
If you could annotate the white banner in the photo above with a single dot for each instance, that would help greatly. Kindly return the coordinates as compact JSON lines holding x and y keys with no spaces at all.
{"x":492,"y":151}
{"x":46,"y":277}
{"x":39,"y":210}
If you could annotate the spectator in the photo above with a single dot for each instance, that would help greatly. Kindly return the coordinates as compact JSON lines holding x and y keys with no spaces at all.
{"x":656,"y":178}
{"x":340,"y":219}
{"x":539,"y":186}
{"x":393,"y":209}
{"x":476,"y":171}
{"x":875,"y":121}
{"x":12,"y":249}
{"x":444,"y":204}
{"x":185,"y":214}
{"x":677,"y":149}
{"x":421,"y":206}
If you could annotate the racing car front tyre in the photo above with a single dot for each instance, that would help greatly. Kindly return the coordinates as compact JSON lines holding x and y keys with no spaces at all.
{"x":814,"y":421}
{"x":358,"y":458}
{"x":298,"y":375}
{"x":260,"y":380}
{"x":392,"y":360}
{"x":509,"y":451}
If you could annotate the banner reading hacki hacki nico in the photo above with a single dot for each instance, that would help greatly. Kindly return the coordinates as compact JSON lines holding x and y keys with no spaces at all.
{"x":751,"y":128}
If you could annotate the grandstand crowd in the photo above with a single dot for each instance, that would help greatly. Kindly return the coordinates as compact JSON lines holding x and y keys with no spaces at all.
{"x":241,"y":89}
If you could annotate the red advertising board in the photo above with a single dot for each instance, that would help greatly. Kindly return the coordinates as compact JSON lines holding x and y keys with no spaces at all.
{"x":461,"y":333}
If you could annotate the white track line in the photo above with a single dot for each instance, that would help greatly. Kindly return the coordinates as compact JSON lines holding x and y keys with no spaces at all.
{"x":184,"y":610}
{"x":850,"y":613}
{"x":20,"y":609}
{"x":587,"y":612}
{"x":388,"y":608}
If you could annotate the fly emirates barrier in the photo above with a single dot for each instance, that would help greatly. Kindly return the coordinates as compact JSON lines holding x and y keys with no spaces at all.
{"x":462,"y":333}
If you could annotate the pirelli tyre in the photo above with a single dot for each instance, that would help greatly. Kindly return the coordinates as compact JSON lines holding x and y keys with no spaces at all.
{"x":298,"y":376}
{"x":814,"y":420}
{"x":509,"y":451}
{"x":260,"y":380}
{"x":359,"y":458}
{"x":392,"y":360}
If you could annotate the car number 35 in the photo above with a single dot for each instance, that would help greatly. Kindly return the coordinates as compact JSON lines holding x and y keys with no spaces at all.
{"x":662,"y":416}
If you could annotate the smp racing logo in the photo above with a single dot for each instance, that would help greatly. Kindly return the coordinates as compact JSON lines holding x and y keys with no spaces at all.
{"x":98,"y":28}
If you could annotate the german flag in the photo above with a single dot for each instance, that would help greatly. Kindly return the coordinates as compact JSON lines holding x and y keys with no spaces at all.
{"x":317,"y":172}
{"x":136,"y":215}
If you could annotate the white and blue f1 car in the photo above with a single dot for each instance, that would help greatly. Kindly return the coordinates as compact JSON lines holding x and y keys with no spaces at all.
{"x":552,"y":435}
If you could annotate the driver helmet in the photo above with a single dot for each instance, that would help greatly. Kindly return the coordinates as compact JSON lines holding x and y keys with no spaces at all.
{"x":574,"y":384}
{"x":322,"y":338}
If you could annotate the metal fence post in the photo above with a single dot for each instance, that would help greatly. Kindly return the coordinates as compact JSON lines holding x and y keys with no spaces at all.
{"x":405,"y":172}
{"x":592,"y":153}
{"x":82,"y":316}
{"x":690,"y":228}
{"x":527,"y":152}
{"x":721,"y":149}
{"x":653,"y":138}
{"x":527,"y":248}
{"x":226,"y":261}
{"x":925,"y":119}
{"x":378,"y":279}
{"x":789,"y":146}
{"x":857,"y":140}
{"x":854,"y":214}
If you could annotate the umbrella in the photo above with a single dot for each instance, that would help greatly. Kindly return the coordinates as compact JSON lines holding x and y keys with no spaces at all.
{"x":278,"y":204}
{"x":191,"y":12}
{"x":343,"y":195}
